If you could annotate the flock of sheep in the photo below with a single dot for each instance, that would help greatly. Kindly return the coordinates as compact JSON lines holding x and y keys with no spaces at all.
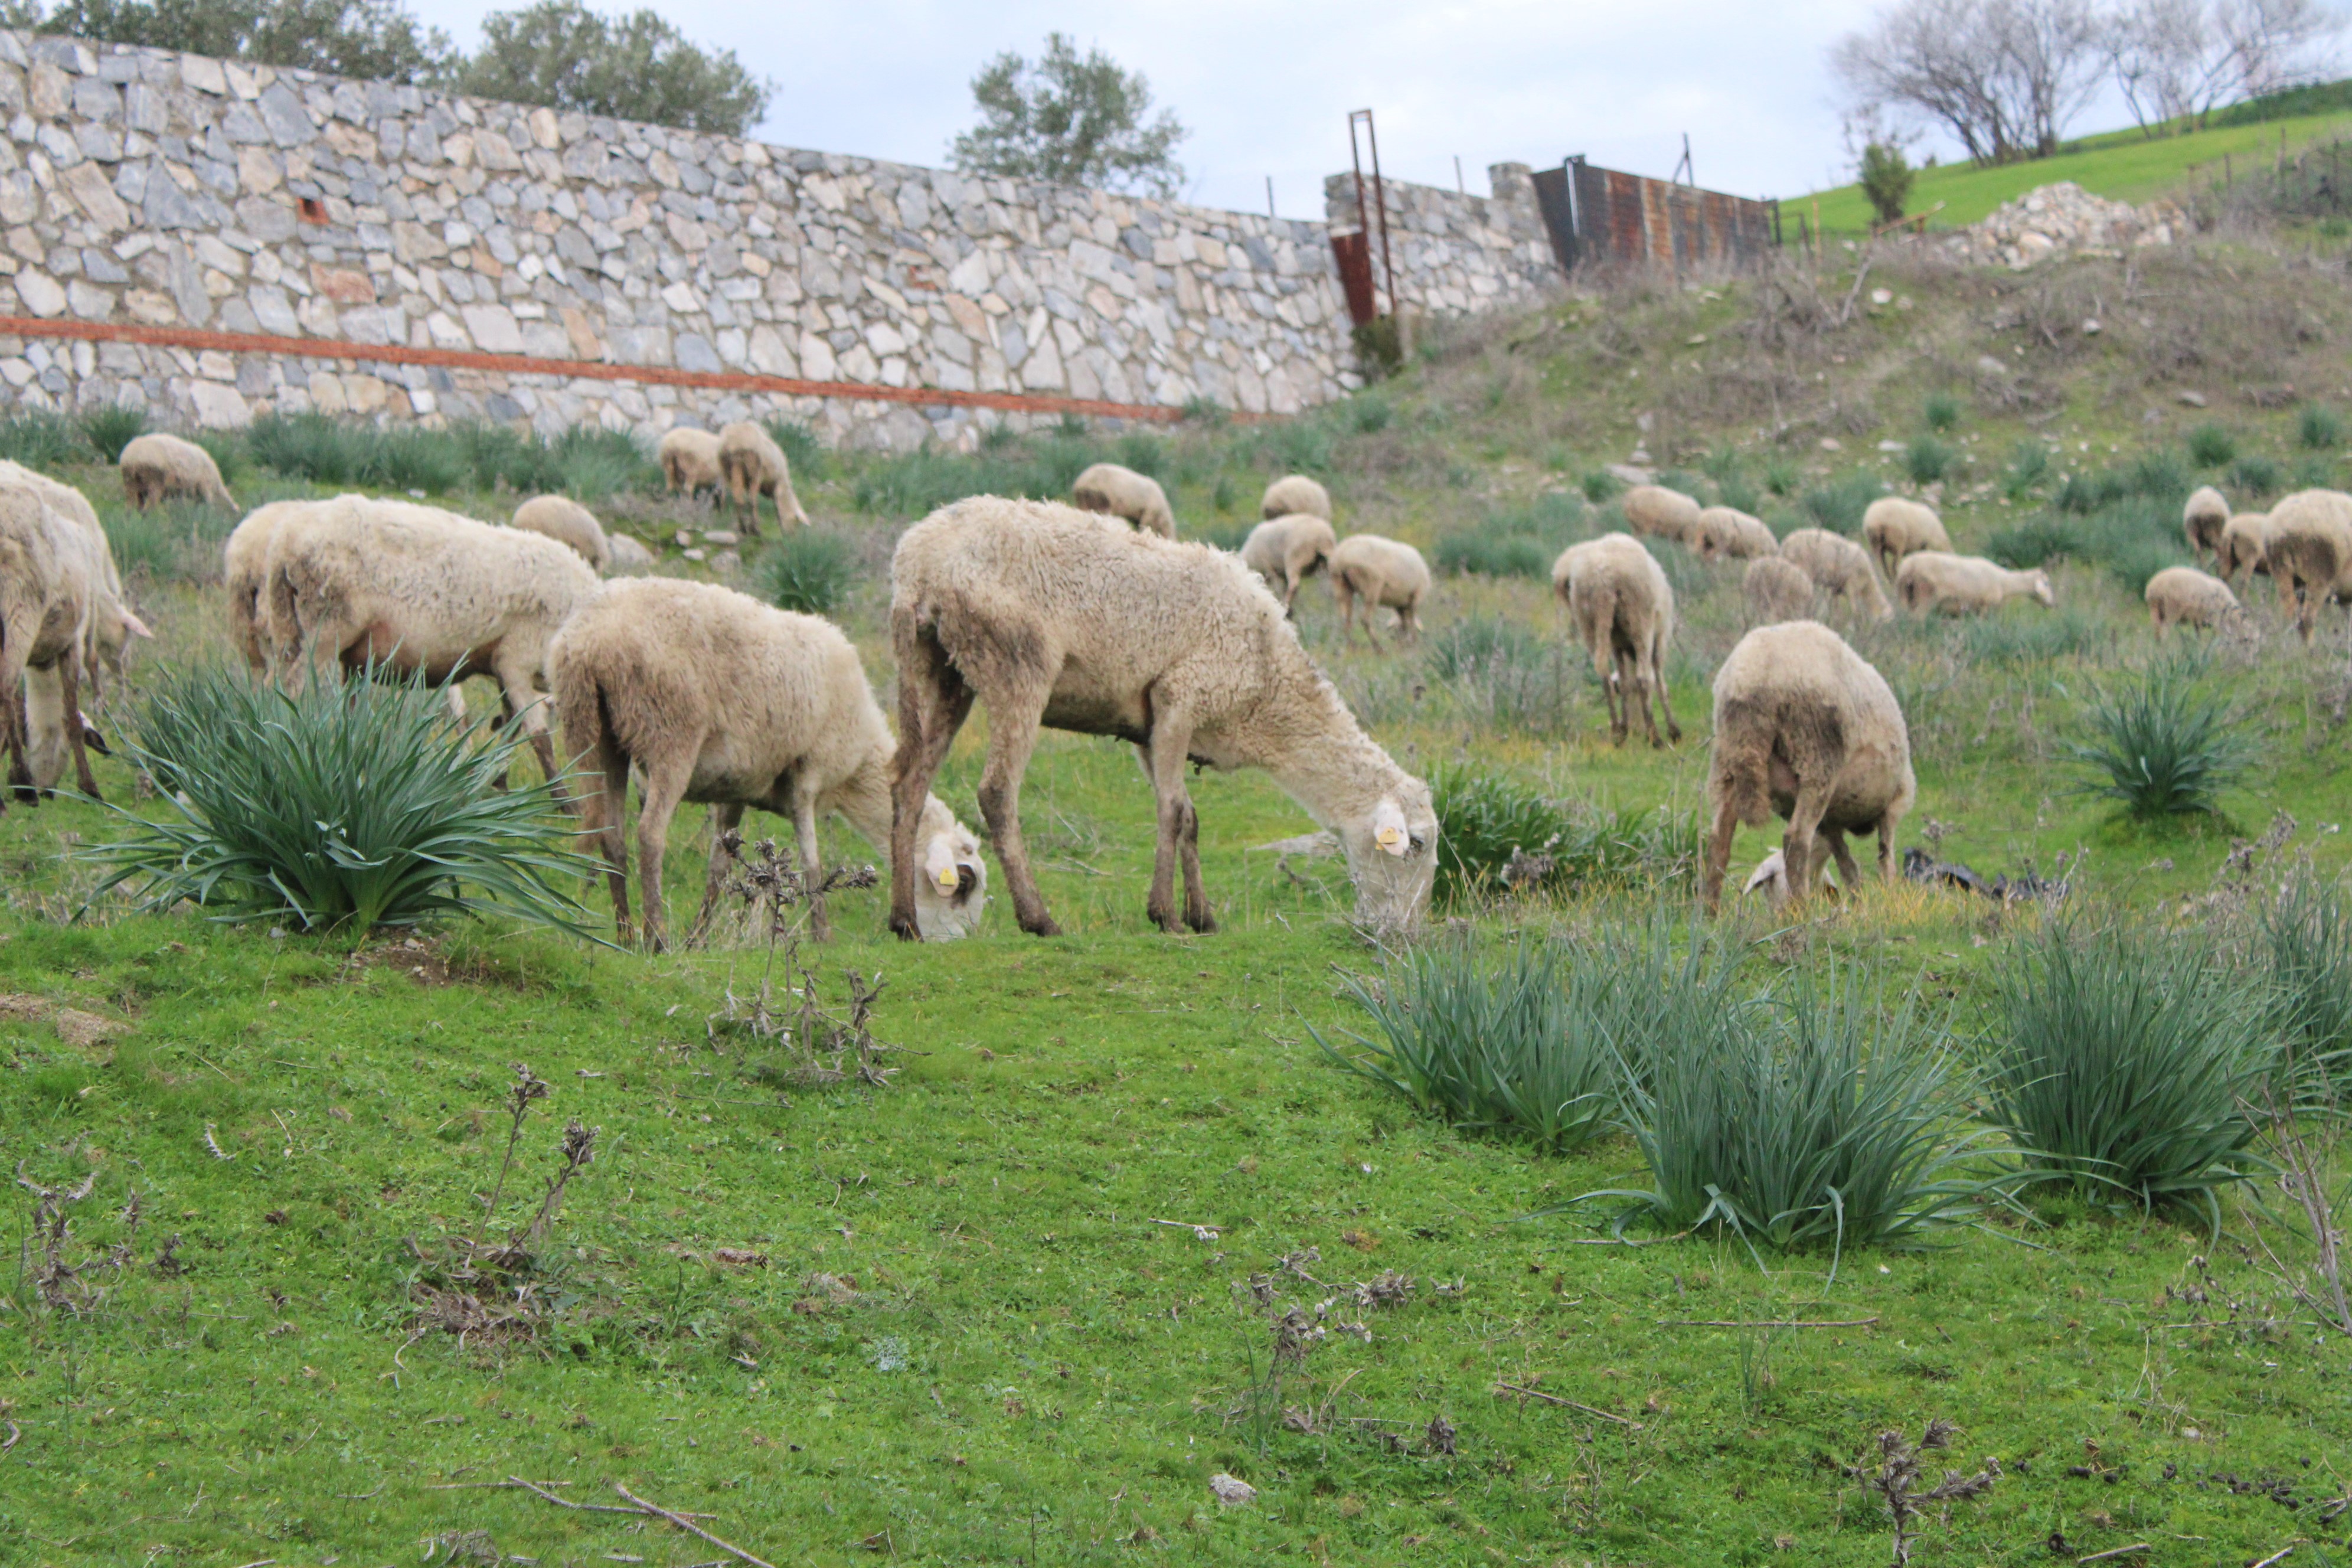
{"x":1091,"y":618}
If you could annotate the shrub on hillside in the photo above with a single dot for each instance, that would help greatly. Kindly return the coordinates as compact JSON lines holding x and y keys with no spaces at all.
{"x":2258,"y":476}
{"x":1941,"y":412}
{"x":1928,"y":459}
{"x":2029,"y":465}
{"x":2319,"y":427}
{"x":2305,"y":951}
{"x":1838,"y":505}
{"x":810,"y":570}
{"x":40,"y":439}
{"x":2211,"y":446}
{"x":2159,"y":742}
{"x":112,"y":427}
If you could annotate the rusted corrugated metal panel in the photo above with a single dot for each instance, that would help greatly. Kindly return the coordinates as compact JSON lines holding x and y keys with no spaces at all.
{"x":1353,"y":252}
{"x":1606,"y":215}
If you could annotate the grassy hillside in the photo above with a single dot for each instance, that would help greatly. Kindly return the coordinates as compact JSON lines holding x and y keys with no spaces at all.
{"x":1023,"y":1302}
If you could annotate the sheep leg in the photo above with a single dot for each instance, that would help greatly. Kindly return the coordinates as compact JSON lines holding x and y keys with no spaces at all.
{"x":665,"y":787}
{"x":1849,"y":874}
{"x":1013,"y":723}
{"x":1606,"y":663}
{"x":934,"y":700}
{"x":604,"y":814}
{"x":15,"y":726}
{"x":1345,"y":593}
{"x":1633,"y":692}
{"x":1718,"y":855}
{"x":69,"y":676}
{"x":726,"y":816}
{"x":1801,"y":851}
{"x":525,"y":703}
{"x":1657,"y":667}
{"x":1886,"y":825}
{"x":1178,"y":833}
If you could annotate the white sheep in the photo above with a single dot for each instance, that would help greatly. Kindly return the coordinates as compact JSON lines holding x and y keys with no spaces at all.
{"x":1841,"y":567}
{"x":566,"y":522}
{"x":245,"y":574}
{"x":2182,"y":595}
{"x":2245,"y":547}
{"x":1775,"y":589}
{"x":1806,"y":729}
{"x":1295,"y":495}
{"x":1895,"y":528}
{"x":754,"y":465}
{"x":1726,"y":533}
{"x":1287,"y":550}
{"x":712,"y":696}
{"x":2203,"y":518}
{"x":1659,"y":512}
{"x":1115,"y":491}
{"x":1623,"y":608}
{"x":1046,"y":617}
{"x":689,"y":461}
{"x":1931,"y":581}
{"x":414,"y":589}
{"x":156,"y":467}
{"x":46,"y":593}
{"x":112,"y":626}
{"x":1383,"y":573}
{"x":2310,"y":552}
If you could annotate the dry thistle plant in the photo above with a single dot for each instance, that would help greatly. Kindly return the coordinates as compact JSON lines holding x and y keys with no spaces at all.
{"x":1897,"y":1478}
{"x":501,"y":1289}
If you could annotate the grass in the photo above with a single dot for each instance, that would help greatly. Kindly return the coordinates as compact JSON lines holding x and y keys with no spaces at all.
{"x":810,"y":570}
{"x":2162,"y":743}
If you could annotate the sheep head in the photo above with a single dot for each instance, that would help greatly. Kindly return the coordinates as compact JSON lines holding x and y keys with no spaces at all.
{"x":2042,"y":591}
{"x":1393,"y":855}
{"x":951,"y":893}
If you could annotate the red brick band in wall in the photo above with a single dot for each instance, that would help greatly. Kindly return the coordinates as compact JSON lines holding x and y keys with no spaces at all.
{"x":592,"y":370}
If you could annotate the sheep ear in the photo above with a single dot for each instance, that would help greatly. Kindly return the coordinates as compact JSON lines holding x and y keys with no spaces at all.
{"x":1391,"y":831}
{"x":135,"y":626}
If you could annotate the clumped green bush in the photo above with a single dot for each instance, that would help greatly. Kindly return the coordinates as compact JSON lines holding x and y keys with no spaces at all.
{"x":1941,"y":413}
{"x":2256,"y":475}
{"x":1928,"y":459}
{"x":2029,"y":465}
{"x":353,"y":806}
{"x":2055,"y":634}
{"x":1600,"y":486}
{"x":179,"y":541}
{"x":2319,"y":427}
{"x":2211,"y":446}
{"x":1490,"y":822}
{"x":914,"y":484}
{"x":1369,"y":412}
{"x":41,"y":440}
{"x":2160,"y":743}
{"x":2032,"y":541}
{"x":114,"y":426}
{"x":1514,"y":541}
{"x":2305,"y":948}
{"x":810,"y":570}
{"x":807,"y":454}
{"x":1838,"y":505}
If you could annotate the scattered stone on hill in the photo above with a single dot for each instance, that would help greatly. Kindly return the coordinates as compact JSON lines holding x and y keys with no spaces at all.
{"x":1231,"y":1490}
{"x":82,"y":1031}
{"x":2061,"y":220}
{"x":1628,"y":473}
{"x":2190,"y":397}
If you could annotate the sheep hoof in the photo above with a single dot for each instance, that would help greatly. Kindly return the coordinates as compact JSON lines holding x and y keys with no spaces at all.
{"x":1205,"y":923}
{"x":903,"y":927}
{"x":1042,"y":926}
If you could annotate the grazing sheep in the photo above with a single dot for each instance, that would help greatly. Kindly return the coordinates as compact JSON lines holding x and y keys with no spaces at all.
{"x":1047,"y":618}
{"x":1933,"y":581}
{"x":715,"y":697}
{"x":689,"y":461}
{"x":245,"y":573}
{"x":2203,"y":519}
{"x":413,"y":588}
{"x":1726,"y":532}
{"x":2182,"y":595}
{"x":1380,"y":572}
{"x":2310,"y":552}
{"x":566,"y":522}
{"x":156,"y":466}
{"x":1623,"y":608}
{"x":1805,"y":729}
{"x":754,"y":465}
{"x":1657,"y":510}
{"x":1776,"y":590}
{"x":1295,"y":495}
{"x":1122,"y":492}
{"x":1895,"y":528}
{"x":46,"y":590}
{"x":112,"y":624}
{"x":1289,"y":549}
{"x":1838,"y":565}
{"x":2243,"y":547}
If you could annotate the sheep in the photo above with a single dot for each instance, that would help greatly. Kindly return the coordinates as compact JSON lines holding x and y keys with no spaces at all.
{"x":1046,"y":617}
{"x":1625,"y":613}
{"x":46,"y":590}
{"x":1933,"y":581}
{"x":2203,"y":520}
{"x":1295,"y":495}
{"x":414,"y":589}
{"x":2243,"y":547}
{"x":2182,"y":595}
{"x":566,"y":522}
{"x":1287,"y":550}
{"x":754,"y":465}
{"x":1725,"y":531}
{"x":1776,"y":590}
{"x":2309,"y":549}
{"x":1895,"y":528}
{"x":689,"y":461}
{"x":1122,"y":492}
{"x":715,"y":697}
{"x":1806,"y":729}
{"x":112,"y":626}
{"x":156,"y":466}
{"x":1380,"y":572}
{"x":1655,"y":509}
{"x":1838,"y":565}
{"x":245,"y":573}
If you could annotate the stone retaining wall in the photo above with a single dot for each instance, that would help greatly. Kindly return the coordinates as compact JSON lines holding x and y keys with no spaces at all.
{"x":1456,"y":253}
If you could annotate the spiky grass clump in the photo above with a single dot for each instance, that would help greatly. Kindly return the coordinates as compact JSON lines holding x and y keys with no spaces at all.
{"x":2124,"y":1063}
{"x":112,"y":427}
{"x":1941,"y":412}
{"x":1838,"y":505}
{"x":2305,"y":952}
{"x":353,"y":806}
{"x":1485,"y":818}
{"x":2319,"y":427}
{"x":41,"y":440}
{"x":810,"y":570}
{"x":1929,"y":458}
{"x":2160,"y":744}
{"x":2029,"y":465}
{"x":2256,"y":475}
{"x":2211,"y":446}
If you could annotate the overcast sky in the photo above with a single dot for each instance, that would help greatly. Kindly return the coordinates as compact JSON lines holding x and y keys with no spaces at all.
{"x":1267,"y":85}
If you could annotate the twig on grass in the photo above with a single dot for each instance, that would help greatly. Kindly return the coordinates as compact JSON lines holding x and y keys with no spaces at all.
{"x":14,"y":1433}
{"x":2279,"y":1556}
{"x":539,"y":1488}
{"x":680,"y":1521}
{"x":1773,"y":1323}
{"x":1202,"y":1232}
{"x":1513,"y":1388}
{"x":2116,"y":1551}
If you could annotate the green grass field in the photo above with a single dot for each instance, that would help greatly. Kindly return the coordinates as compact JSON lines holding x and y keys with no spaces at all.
{"x":1015,"y":1306}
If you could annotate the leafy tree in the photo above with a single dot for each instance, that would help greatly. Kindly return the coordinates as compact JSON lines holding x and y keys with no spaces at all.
{"x":376,"y":39}
{"x":1073,"y":120}
{"x":560,"y":54}
{"x":1886,"y":176}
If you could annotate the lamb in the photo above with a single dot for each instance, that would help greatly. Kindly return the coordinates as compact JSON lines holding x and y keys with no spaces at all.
{"x":1657,"y":510}
{"x":1725,"y":531}
{"x":411,"y":588}
{"x":566,"y":522}
{"x":1381,"y":572}
{"x":1046,"y":617}
{"x":1933,"y":581}
{"x":754,"y":465}
{"x":2309,"y":549}
{"x":1122,"y":492}
{"x":112,"y":624}
{"x":47,"y":591}
{"x":1838,"y":565}
{"x":156,"y":467}
{"x":1624,"y":612}
{"x":2182,"y":595}
{"x":1296,"y":495}
{"x":2203,"y":519}
{"x":689,"y":461}
{"x":1777,"y":589}
{"x":1804,"y":728}
{"x":1287,"y":550}
{"x":712,"y":696}
{"x":2245,"y":547}
{"x":1895,"y":528}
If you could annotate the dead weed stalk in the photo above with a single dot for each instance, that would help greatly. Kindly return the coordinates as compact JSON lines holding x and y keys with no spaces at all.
{"x":1895,"y":1474}
{"x":820,"y":1043}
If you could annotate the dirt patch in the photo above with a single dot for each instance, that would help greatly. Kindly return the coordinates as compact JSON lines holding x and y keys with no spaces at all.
{"x":82,"y":1031}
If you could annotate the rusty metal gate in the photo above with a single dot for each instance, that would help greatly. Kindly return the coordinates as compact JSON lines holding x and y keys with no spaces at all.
{"x":1598,"y":216}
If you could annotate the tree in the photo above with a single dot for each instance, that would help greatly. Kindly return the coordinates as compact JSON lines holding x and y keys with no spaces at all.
{"x":1071,"y":121}
{"x":375,"y":39}
{"x":637,"y":67}
{"x":2003,"y":76}
{"x":1886,"y":176}
{"x":2181,"y":59}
